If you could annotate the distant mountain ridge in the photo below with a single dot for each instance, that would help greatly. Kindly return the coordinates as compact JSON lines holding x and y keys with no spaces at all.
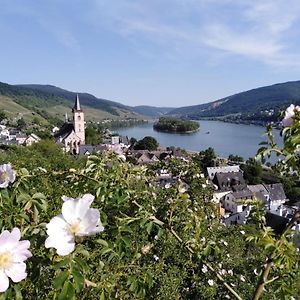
{"x":85,"y":98}
{"x":245,"y":104}
{"x":152,"y":111}
{"x":50,"y":103}
{"x":98,"y":103}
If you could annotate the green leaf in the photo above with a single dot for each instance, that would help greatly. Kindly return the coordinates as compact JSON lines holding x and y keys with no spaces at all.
{"x":68,"y":292}
{"x":102,"y":242}
{"x":60,"y":280}
{"x":102,"y":297}
{"x":18,"y":295}
{"x":81,"y":263}
{"x":61,"y":263}
{"x":78,"y":279}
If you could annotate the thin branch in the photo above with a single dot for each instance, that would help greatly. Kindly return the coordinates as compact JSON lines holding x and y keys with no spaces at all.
{"x":267,"y":268}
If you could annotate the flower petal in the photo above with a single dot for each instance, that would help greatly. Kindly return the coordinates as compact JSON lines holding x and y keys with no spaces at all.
{"x":74,"y":210}
{"x":4,"y":282}
{"x":91,"y":223}
{"x":61,"y":244}
{"x":9,"y":240}
{"x":21,"y":251}
{"x":17,"y":272}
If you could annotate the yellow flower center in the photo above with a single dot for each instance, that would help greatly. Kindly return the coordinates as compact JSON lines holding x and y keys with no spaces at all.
{"x":3,"y":176}
{"x":74,"y":228}
{"x":5,"y":260}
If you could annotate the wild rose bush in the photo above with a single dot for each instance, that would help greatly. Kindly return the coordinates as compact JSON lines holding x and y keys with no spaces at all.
{"x":106,"y":230}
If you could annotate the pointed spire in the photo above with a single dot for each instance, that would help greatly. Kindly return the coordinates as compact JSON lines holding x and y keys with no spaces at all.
{"x":77,"y":103}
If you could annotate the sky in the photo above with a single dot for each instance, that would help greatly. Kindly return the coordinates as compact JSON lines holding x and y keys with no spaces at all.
{"x":151,"y":52}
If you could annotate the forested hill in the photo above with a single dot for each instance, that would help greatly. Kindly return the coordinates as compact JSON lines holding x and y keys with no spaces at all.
{"x":152,"y":111}
{"x":48,"y":102}
{"x":85,"y":98}
{"x":250,"y":104}
{"x":99,"y":103}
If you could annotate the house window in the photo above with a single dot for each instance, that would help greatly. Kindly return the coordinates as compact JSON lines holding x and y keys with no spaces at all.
{"x":78,"y":118}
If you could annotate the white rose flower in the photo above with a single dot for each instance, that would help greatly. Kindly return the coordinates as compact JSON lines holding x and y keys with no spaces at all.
{"x":167,"y":185}
{"x":210,"y":282}
{"x":289,"y":115}
{"x":77,"y":219}
{"x":204,"y":269}
{"x":13,"y":253}
{"x":182,"y":189}
{"x":7,"y":175}
{"x":242,"y":278}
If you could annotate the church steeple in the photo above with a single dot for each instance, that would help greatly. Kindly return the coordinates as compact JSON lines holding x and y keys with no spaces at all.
{"x":77,"y":104}
{"x":78,"y":120}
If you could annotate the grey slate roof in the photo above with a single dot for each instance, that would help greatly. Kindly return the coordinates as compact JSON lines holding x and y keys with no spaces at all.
{"x":229,"y":181}
{"x":260,"y":192}
{"x":243,"y":194}
{"x":64,"y":131}
{"x":276,"y":191}
{"x":84,"y":149}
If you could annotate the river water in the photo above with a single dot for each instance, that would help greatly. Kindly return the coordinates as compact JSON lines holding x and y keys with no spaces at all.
{"x":225,"y":138}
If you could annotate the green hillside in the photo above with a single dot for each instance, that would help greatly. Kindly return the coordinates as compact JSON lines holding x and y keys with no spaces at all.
{"x":152,"y":111}
{"x":249,"y":104}
{"x":49,"y":104}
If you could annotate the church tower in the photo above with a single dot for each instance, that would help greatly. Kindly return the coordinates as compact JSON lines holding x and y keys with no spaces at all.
{"x":78,"y":121}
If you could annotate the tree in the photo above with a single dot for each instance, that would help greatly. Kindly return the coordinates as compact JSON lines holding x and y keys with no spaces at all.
{"x":147,"y":143}
{"x":21,"y":124}
{"x":235,"y":158}
{"x":3,"y":115}
{"x":206,"y":158}
{"x":92,"y":136}
{"x":252,"y":171}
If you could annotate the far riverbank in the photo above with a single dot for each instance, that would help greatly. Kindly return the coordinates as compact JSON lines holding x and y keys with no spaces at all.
{"x":225,"y":138}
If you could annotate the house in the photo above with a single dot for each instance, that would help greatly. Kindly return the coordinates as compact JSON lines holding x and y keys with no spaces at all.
{"x":72,"y":135}
{"x":277,"y":196}
{"x":235,"y":201}
{"x":236,"y":208}
{"x":86,"y":149}
{"x":31,"y":139}
{"x":20,"y":138}
{"x":211,"y":171}
{"x":145,"y":157}
{"x":272,"y":195}
{"x":115,"y":140}
{"x":124,"y":141}
{"x":229,"y":181}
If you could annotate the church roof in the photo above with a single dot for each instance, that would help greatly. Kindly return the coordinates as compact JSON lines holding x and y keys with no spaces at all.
{"x":64,"y":131}
{"x":77,"y":103}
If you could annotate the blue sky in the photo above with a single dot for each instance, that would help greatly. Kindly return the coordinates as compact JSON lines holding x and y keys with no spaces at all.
{"x":154,"y":52}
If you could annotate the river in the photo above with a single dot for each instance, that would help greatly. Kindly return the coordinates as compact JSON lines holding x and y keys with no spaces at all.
{"x":225,"y":138}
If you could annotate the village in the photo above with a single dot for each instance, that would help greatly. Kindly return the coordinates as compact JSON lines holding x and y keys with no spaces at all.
{"x":232,"y":197}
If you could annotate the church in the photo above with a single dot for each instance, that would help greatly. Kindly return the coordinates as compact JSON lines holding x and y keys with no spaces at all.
{"x":72,"y":134}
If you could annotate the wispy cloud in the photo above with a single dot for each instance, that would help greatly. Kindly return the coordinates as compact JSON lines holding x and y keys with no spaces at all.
{"x":265,"y":31}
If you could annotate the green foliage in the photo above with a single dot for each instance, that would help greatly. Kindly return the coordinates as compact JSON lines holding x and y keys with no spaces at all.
{"x":235,"y":158}
{"x":147,"y":143}
{"x":205,"y":159}
{"x":21,"y":124}
{"x":252,"y":171}
{"x":3,"y":115}
{"x":92,"y":136}
{"x":170,"y":124}
{"x":160,"y":242}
